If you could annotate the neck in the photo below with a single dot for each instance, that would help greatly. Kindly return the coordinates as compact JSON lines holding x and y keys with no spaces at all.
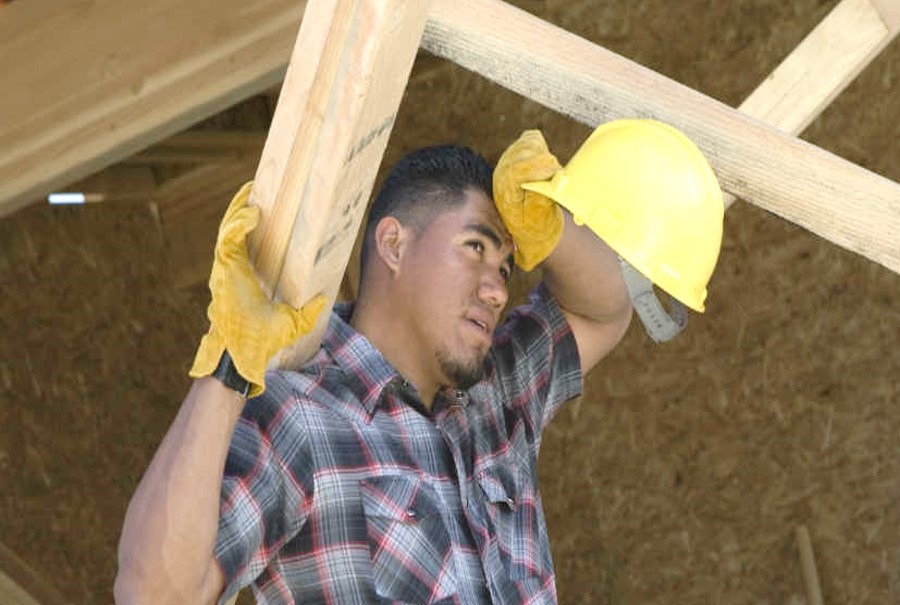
{"x":376,"y":316}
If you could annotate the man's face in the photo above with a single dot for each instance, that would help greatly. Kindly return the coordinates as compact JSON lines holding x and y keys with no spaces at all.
{"x":454,"y":275}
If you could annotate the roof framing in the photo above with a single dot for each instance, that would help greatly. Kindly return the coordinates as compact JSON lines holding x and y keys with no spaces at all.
{"x":170,"y":63}
{"x":836,"y":199}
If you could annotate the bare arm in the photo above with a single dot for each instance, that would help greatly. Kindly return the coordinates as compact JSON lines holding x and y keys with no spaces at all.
{"x":167,"y":542}
{"x":584,"y":276}
{"x":166,"y":546}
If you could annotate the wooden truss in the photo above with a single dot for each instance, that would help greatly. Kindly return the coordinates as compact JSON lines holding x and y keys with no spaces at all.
{"x":89,"y":104}
{"x":88,"y":99}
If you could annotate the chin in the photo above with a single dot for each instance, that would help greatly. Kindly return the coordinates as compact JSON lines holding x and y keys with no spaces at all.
{"x":462,"y":374}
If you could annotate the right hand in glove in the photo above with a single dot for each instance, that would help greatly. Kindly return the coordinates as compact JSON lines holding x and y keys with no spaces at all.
{"x":242,"y":318}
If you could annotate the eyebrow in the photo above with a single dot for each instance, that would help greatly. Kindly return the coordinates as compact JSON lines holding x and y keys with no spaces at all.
{"x":490,"y":234}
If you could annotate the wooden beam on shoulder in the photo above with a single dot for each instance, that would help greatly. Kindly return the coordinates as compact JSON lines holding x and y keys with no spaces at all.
{"x":347,"y":76}
{"x":836,"y":199}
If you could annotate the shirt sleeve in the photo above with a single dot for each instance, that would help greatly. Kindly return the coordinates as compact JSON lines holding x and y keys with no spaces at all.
{"x":263,"y":502}
{"x":536,"y":359}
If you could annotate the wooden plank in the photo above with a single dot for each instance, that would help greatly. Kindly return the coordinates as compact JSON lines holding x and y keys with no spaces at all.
{"x":201,"y":146}
{"x":13,"y":594}
{"x":20,"y":584}
{"x":822,"y":65}
{"x":808,"y":567}
{"x":346,"y":79}
{"x":97,"y":81}
{"x":852,"y":207}
{"x":207,"y":184}
{"x":117,"y":183}
{"x":97,"y":99}
{"x":190,"y":208}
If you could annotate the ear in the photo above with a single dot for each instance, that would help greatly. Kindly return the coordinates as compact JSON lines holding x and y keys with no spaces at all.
{"x":390,"y":242}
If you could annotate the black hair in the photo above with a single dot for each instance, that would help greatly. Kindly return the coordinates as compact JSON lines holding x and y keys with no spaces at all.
{"x":425,"y":183}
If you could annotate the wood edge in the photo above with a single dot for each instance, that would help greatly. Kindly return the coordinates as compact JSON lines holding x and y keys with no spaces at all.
{"x":37,"y":587}
{"x":889,"y":11}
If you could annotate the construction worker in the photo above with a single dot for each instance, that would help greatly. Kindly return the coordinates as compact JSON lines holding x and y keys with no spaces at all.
{"x":399,"y":464}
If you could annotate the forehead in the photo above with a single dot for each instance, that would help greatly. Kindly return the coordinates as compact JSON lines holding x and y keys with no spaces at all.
{"x":477,"y":208}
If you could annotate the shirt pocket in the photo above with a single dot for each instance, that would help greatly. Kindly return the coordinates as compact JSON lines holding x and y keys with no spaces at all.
{"x":408,"y":541}
{"x":514,"y":510}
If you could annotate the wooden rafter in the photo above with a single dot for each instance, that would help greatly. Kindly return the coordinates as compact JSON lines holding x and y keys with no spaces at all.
{"x":836,"y":199}
{"x":822,"y":65}
{"x":119,"y":182}
{"x":190,"y":207}
{"x":203,"y":146}
{"x":791,"y":97}
{"x":88,"y":94}
{"x":53,"y":138}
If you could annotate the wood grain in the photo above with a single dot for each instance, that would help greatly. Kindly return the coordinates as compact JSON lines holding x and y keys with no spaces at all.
{"x":827,"y":195}
{"x":347,"y":75}
{"x":822,"y":66}
{"x":103,"y":93}
{"x":96,"y":82}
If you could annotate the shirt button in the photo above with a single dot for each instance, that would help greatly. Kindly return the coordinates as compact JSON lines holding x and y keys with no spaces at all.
{"x":410,"y":512}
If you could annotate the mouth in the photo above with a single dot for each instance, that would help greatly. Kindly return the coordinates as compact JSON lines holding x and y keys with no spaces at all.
{"x":483,"y":326}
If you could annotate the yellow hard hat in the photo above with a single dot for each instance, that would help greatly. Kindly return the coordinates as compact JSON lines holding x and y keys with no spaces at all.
{"x":648,"y":192}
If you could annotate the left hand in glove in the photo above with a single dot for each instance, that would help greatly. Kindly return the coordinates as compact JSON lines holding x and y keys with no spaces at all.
{"x":534,"y":220}
{"x":242,"y":318}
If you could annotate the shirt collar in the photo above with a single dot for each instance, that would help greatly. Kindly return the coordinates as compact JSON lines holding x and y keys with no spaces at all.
{"x":367,"y":371}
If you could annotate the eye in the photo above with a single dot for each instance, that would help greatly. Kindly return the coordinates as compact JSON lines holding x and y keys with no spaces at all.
{"x":476,"y":245}
{"x":505,"y":273}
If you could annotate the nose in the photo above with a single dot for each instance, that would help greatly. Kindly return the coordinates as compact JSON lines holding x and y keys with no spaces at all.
{"x":492,"y":290}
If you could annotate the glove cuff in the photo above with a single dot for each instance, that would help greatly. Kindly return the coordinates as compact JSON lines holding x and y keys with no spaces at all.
{"x":228,"y":375}
{"x":209,"y":354}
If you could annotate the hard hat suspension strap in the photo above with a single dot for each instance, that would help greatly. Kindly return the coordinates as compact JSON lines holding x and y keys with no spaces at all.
{"x":661,"y":325}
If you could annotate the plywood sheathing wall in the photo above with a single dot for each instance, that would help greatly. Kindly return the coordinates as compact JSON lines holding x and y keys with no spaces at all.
{"x":678,"y":477}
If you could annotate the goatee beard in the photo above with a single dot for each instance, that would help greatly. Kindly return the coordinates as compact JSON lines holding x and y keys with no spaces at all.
{"x":462,"y":375}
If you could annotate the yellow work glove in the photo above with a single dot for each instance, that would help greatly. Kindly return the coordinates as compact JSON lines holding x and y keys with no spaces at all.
{"x":242,"y":318}
{"x":534,"y":221}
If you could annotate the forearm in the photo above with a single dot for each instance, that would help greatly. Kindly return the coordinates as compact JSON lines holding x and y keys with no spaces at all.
{"x":166,"y":547}
{"x":584,"y":275}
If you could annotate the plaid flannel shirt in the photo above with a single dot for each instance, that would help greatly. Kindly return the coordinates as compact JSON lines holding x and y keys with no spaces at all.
{"x":341,"y":488}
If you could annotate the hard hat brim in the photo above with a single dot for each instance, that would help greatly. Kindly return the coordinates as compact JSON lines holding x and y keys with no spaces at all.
{"x":550,"y":189}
